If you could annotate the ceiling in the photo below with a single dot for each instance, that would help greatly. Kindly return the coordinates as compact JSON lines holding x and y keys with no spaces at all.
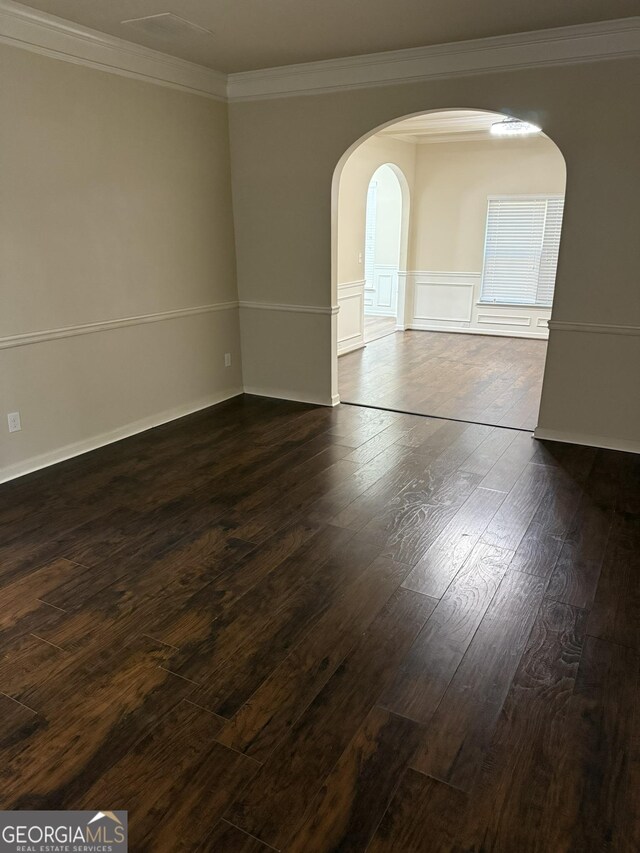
{"x":445,"y":126}
{"x":241,"y":35}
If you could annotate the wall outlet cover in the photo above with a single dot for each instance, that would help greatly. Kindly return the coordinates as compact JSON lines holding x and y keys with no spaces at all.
{"x":13,"y":419}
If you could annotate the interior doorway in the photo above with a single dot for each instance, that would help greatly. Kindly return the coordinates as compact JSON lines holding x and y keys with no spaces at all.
{"x":469,"y":285}
{"x":382,"y":236}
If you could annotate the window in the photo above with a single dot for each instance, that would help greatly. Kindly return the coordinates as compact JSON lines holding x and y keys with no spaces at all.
{"x":370,"y":234}
{"x":521,"y":250}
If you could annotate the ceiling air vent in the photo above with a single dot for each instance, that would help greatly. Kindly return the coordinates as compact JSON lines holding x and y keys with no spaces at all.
{"x":166,"y":25}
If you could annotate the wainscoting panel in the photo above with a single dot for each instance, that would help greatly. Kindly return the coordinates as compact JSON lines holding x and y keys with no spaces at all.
{"x":382,"y":299}
{"x":443,"y":301}
{"x":450,"y":301}
{"x":503,"y":320}
{"x":350,"y":316}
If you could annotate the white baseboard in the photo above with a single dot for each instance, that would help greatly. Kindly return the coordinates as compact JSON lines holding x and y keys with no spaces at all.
{"x":293,"y":396}
{"x":44,"y":460}
{"x":426,"y":327}
{"x":625,"y":444}
{"x":351,"y":348}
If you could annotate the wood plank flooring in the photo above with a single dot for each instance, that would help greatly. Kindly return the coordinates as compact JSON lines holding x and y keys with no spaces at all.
{"x":276,"y":626}
{"x":493,"y":380}
{"x":378,"y":327}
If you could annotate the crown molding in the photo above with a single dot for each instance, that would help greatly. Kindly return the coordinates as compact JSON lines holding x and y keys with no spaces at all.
{"x":49,"y":35}
{"x":560,"y":46}
{"x":30,"y":29}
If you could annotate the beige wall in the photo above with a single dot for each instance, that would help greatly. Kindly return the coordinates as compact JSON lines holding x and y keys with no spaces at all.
{"x":449,"y":198}
{"x":354,"y":183}
{"x":116,"y":202}
{"x":285,"y":151}
{"x":448,"y":190}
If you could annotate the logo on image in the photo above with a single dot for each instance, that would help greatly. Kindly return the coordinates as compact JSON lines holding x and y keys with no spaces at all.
{"x":63,"y":832}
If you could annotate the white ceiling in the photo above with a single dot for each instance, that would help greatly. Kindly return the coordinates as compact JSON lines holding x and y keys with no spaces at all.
{"x":240,"y":35}
{"x":445,"y":126}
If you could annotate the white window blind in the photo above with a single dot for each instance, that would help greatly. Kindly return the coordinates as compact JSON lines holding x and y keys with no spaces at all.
{"x":370,"y":234}
{"x":521,"y":250}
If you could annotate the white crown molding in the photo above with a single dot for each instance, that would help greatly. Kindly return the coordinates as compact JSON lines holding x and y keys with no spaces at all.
{"x":22,"y":26}
{"x":292,"y":309}
{"x":593,"y":328}
{"x":29,"y":338}
{"x":563,"y":45}
{"x":49,"y":35}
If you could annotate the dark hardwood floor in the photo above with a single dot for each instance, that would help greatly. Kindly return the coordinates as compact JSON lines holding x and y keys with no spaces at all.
{"x":493,"y":380}
{"x":274,"y":626}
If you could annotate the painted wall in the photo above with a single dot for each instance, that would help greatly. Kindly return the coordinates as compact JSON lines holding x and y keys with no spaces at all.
{"x":451,"y":185}
{"x":116,"y":203}
{"x":357,"y":173}
{"x":285,"y":151}
{"x":449,"y":212}
{"x":359,"y":169}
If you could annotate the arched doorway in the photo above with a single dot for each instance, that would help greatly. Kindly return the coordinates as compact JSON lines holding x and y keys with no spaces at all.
{"x":485,"y":195}
{"x":385,"y":251}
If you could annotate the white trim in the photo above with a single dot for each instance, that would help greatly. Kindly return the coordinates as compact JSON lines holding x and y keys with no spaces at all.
{"x":625,"y":444}
{"x":503,"y":320}
{"x":352,"y":347}
{"x":426,"y":327}
{"x":350,"y":291}
{"x":559,"y":46}
{"x":49,"y":35}
{"x":29,"y":338}
{"x":448,"y":274}
{"x":358,"y":283}
{"x":593,"y":328}
{"x":294,"y":396}
{"x":35,"y":463}
{"x":22,"y":26}
{"x":425,"y":279}
{"x":295,"y":309}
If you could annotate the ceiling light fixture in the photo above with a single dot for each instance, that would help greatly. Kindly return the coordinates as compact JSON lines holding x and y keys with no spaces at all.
{"x":513,"y":127}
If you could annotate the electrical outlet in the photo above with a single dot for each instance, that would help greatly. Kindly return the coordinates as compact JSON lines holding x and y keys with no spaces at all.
{"x":14,"y":421}
{"x":359,"y":257}
{"x":227,"y":359}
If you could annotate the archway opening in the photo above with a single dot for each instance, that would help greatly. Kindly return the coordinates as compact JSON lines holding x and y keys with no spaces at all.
{"x":382,"y":253}
{"x":481,"y":199}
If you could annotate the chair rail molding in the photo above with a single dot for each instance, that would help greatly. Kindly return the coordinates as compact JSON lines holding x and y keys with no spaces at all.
{"x":593,"y":328}
{"x":43,"y":335}
{"x":292,"y":309}
{"x":49,"y":35}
